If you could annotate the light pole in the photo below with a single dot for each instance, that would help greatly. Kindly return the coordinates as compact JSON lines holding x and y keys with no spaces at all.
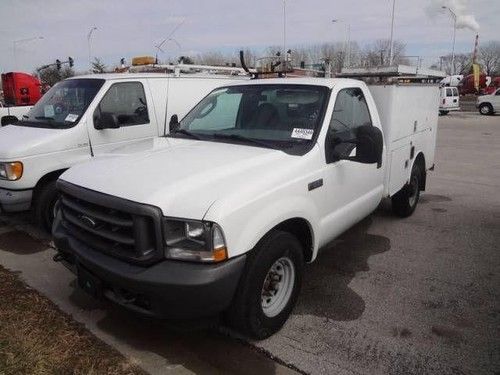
{"x":16,"y":42}
{"x":347,"y":43}
{"x":284,"y":54}
{"x":89,"y":36}
{"x":454,"y":35}
{"x":391,"y":49}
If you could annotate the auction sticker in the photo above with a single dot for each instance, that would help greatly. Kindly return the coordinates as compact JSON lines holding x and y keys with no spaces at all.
{"x":302,"y":133}
{"x":71,"y":117}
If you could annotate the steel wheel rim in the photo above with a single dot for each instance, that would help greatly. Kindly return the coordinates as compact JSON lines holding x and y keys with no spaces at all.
{"x":278,"y":287}
{"x":413,"y":191}
{"x":485,"y":110}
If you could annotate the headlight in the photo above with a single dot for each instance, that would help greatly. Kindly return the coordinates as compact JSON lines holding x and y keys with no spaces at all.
{"x":197,"y":241}
{"x":12,"y":171}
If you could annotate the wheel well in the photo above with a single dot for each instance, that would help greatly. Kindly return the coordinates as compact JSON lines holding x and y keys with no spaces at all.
{"x":420,"y":161}
{"x":45,"y":179}
{"x":302,"y":230}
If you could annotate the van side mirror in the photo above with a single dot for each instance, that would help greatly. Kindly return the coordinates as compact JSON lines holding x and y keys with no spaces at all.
{"x":9,"y":120}
{"x":106,"y":120}
{"x":173,"y":126}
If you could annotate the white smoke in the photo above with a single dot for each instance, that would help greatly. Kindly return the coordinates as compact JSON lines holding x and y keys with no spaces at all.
{"x":465,"y":19}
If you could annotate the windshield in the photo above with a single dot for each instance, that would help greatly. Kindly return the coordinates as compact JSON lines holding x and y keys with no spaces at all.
{"x":63,"y":105}
{"x":277,"y":116}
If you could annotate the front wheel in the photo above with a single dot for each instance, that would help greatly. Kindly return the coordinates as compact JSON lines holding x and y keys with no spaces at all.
{"x":43,"y":205}
{"x":269,"y":287}
{"x":485,"y":109}
{"x":405,"y":201}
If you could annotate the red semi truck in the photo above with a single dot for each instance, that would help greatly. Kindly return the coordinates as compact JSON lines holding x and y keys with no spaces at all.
{"x":20,"y":92}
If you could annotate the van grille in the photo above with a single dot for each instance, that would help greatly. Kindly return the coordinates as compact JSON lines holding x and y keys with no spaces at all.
{"x":116,"y":226}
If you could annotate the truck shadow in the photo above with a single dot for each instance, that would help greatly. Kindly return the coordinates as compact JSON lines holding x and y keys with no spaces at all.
{"x":325,"y":289}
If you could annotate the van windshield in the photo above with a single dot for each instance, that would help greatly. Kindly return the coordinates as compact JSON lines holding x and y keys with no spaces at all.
{"x":63,"y":105}
{"x":276,"y":116}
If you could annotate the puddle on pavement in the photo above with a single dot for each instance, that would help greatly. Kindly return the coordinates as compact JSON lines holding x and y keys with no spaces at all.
{"x":21,"y":243}
{"x":426,"y":198}
{"x":325,"y":289}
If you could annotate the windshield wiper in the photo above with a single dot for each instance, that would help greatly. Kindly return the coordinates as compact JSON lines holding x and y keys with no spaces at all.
{"x":242,"y":138}
{"x":44,"y":118}
{"x":185,"y":132}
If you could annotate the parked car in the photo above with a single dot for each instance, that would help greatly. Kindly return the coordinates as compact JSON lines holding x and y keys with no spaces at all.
{"x":83,"y":117}
{"x":489,"y":104}
{"x":223,"y":213}
{"x":449,"y":100}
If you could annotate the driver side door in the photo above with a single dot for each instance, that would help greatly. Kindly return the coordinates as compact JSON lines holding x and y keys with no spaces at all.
{"x":353,"y":189}
{"x":129,"y":102}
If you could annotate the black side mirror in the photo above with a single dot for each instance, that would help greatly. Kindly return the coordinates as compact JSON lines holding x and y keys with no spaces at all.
{"x":106,"y":120}
{"x":174,"y":124}
{"x":9,"y":120}
{"x":369,"y":145}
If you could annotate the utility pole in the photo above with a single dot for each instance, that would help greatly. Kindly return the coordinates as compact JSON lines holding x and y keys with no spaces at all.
{"x":454,"y":37}
{"x":391,"y":52}
{"x":284,"y":54}
{"x":89,"y":36}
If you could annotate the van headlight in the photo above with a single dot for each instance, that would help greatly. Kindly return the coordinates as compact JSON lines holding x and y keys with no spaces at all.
{"x":11,"y":171}
{"x":197,"y":241}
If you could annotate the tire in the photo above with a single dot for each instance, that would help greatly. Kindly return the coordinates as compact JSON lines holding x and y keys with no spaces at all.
{"x":257,"y":310}
{"x":444,"y":113}
{"x":405,"y":201}
{"x":485,"y":109}
{"x":43,"y":205}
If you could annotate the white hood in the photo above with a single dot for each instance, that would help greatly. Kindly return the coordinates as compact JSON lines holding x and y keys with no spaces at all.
{"x":182,"y":177}
{"x":21,"y":141}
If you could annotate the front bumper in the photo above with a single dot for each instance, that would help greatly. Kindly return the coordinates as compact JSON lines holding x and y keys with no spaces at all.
{"x":168,"y":289}
{"x":15,"y":200}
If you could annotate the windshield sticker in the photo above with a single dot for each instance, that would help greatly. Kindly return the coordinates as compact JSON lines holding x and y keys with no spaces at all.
{"x":71,"y":117}
{"x":302,"y":133}
{"x":48,"y":111}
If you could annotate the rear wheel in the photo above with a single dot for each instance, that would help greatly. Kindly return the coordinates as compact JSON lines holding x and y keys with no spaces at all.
{"x":444,"y":113}
{"x":43,"y":205}
{"x":269,"y":286}
{"x":405,"y":201}
{"x":485,"y":109}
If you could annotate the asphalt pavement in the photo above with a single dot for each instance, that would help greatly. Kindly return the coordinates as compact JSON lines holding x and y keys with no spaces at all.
{"x":391,"y":296}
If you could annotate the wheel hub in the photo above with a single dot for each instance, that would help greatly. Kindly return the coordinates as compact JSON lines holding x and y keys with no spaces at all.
{"x":278,"y":286}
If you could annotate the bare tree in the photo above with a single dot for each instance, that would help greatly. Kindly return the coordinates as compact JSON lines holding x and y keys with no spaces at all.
{"x":463,"y":63}
{"x":489,"y":57}
{"x":377,"y":53}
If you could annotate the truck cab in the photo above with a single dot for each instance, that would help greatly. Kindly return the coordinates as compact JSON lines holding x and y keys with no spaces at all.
{"x":83,"y":117}
{"x":245,"y":189}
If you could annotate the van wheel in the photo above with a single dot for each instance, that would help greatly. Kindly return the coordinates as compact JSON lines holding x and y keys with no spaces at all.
{"x":444,"y":113}
{"x":485,"y":109}
{"x":405,"y":201}
{"x":269,"y":287}
{"x":43,"y":205}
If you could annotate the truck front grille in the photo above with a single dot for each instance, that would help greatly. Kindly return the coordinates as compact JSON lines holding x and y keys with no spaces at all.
{"x":116,"y":226}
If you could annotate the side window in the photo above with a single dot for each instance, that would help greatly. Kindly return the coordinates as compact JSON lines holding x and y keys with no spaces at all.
{"x":498,"y":92}
{"x":350,"y":112}
{"x":455,"y":91}
{"x":449,"y":92}
{"x":126,"y":102}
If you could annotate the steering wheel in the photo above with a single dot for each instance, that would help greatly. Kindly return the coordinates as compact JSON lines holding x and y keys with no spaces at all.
{"x":60,"y":107}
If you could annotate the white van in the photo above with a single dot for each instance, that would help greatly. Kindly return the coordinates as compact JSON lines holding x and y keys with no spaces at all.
{"x":449,"y":100}
{"x":83,"y":117}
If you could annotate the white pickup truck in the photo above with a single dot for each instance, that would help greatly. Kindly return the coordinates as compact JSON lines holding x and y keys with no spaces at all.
{"x":223,"y":213}
{"x":83,"y":117}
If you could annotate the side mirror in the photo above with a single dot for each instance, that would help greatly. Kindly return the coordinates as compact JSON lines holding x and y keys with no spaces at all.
{"x":9,"y":120}
{"x":369,"y":145}
{"x":106,"y":121}
{"x":174,"y":124}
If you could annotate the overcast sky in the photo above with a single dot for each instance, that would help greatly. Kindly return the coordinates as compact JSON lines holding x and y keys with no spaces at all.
{"x":129,"y":28}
